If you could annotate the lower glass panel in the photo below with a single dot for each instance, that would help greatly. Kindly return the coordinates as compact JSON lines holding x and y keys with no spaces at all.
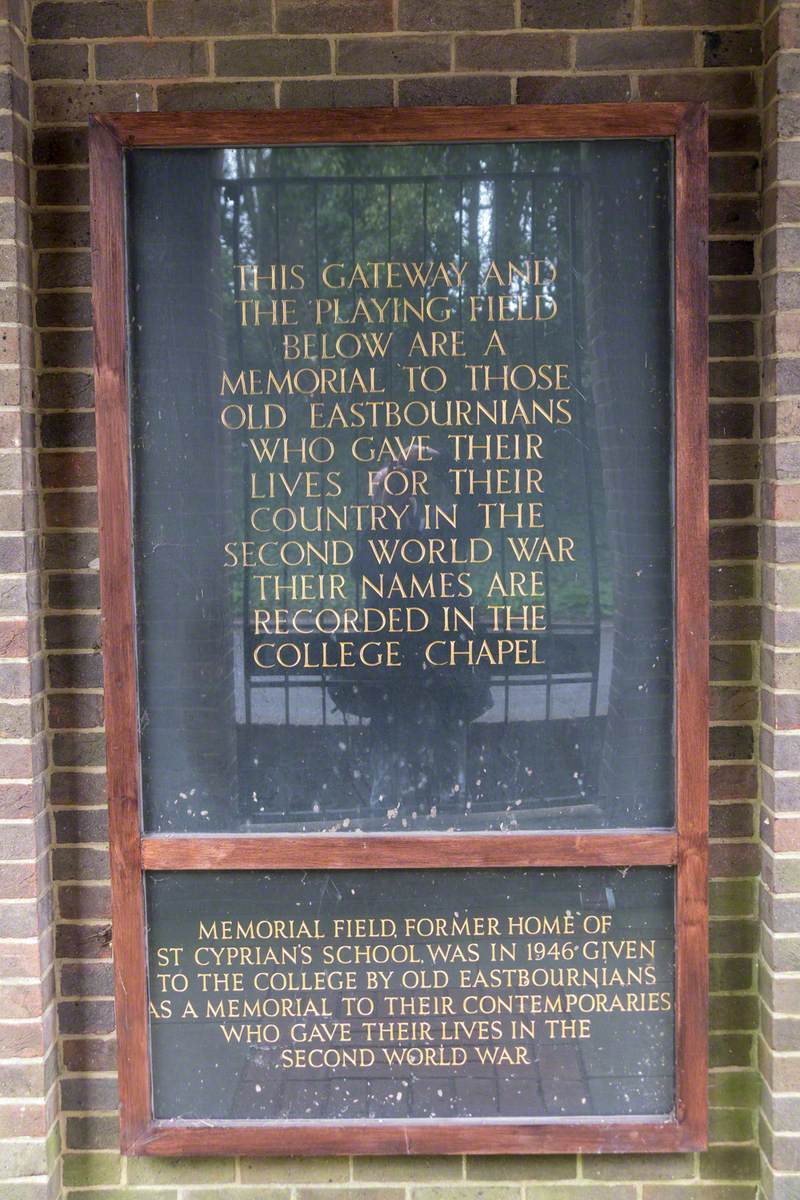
{"x":412,"y":994}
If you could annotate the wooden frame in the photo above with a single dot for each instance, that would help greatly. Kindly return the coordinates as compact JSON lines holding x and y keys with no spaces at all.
{"x":685,"y":847}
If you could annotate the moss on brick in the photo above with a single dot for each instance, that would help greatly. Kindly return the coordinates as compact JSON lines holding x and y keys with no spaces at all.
{"x":238,"y":1193}
{"x":83,"y":1170}
{"x":124,"y":1193}
{"x":730,"y":1162}
{"x":640,"y":1166}
{"x":423,"y":1169}
{"x":732,"y":1125}
{"x":542,"y":1167}
{"x":583,"y":1191}
{"x":734,"y":1089}
{"x":295,"y":1170}
{"x":151,"y":1171}
{"x":732,"y":897}
{"x":465,"y":1192}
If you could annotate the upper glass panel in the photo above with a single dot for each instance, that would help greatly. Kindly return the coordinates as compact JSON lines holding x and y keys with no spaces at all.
{"x":401,"y":448}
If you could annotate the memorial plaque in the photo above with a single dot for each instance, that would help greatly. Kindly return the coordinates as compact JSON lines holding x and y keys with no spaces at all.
{"x":401,"y":437}
{"x":418,"y":994}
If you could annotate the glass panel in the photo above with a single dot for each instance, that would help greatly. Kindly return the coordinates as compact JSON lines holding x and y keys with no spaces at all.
{"x":412,"y":994}
{"x":402,"y":467}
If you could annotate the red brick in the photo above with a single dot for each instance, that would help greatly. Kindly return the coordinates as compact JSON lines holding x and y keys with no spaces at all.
{"x":456,"y":89}
{"x":735,"y":297}
{"x":74,"y":632}
{"x":74,"y":826}
{"x":78,"y":750}
{"x":92,"y":1133}
{"x":17,"y":801}
{"x":336,"y":93}
{"x":59,"y":146}
{"x":782,"y":834}
{"x":86,"y":1016}
{"x":21,"y":1001}
{"x":335,"y":16}
{"x":59,"y":61}
{"x":83,"y":941}
{"x":734,"y":704}
{"x":273,"y":56}
{"x":566,"y":89}
{"x":68,"y":230}
{"x":77,"y":787}
{"x":734,"y":214}
{"x":95,"y":19}
{"x":722,"y":89}
{"x":89,"y":1054}
{"x":639,"y":49}
{"x":734,"y":461}
{"x":23,"y":1120}
{"x":734,"y":860}
{"x":735,"y":257}
{"x":577,"y":14}
{"x":65,"y":389}
{"x":87,"y":979}
{"x":180,"y":97}
{"x":71,"y":591}
{"x":511,"y":52}
{"x":89,"y":1092}
{"x":737,"y":131}
{"x":21,"y":1039}
{"x":14,"y":639}
{"x":782,"y":31}
{"x":782,"y":501}
{"x":729,"y":781}
{"x":60,"y":187}
{"x":59,"y":270}
{"x":708,"y":12}
{"x":392,"y":55}
{"x":19,"y":960}
{"x":735,"y":622}
{"x":188,"y":18}
{"x":734,"y":541}
{"x":732,"y":48}
{"x":76,"y":670}
{"x":731,"y":662}
{"x":731,"y":501}
{"x":60,"y":469}
{"x":61,"y":103}
{"x":151,"y":60}
{"x":70,"y":429}
{"x":730,"y":742}
{"x":87,"y":902}
{"x":431,"y":16}
{"x":73,"y":509}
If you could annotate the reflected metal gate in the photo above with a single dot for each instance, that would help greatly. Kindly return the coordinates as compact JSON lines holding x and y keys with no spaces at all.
{"x":570,"y":689}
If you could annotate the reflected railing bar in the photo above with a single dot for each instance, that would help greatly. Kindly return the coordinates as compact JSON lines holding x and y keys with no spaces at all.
{"x":577,"y":291}
{"x":304,"y":180}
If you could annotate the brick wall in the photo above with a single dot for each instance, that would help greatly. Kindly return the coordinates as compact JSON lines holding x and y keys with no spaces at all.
{"x":780,"y":714}
{"x":94,"y":55}
{"x":29,"y":1166}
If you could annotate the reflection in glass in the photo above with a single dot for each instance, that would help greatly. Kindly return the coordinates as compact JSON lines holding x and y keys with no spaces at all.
{"x":580,"y":737}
